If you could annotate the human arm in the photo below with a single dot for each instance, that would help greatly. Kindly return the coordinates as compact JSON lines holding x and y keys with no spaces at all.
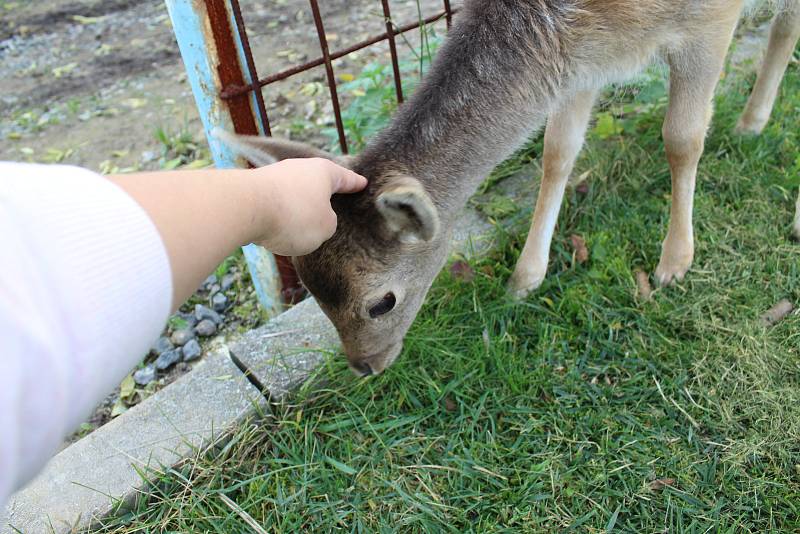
{"x":203,"y":215}
{"x":92,"y":268}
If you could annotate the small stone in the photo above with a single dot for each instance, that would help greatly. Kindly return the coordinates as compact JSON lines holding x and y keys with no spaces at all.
{"x":210,"y":281}
{"x":219,"y":302}
{"x":162,"y":345}
{"x":190,"y":319}
{"x":202,"y":313}
{"x":182,"y":337}
{"x":145,"y":375}
{"x":168,"y":359}
{"x":227,"y":281}
{"x":206,"y":328}
{"x":214,"y":289}
{"x":192,"y":351}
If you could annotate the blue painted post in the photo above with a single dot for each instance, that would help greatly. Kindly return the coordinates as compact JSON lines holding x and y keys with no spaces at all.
{"x":192,"y":25}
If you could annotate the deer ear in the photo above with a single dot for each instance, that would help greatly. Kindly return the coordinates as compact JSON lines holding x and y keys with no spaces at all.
{"x":262,"y":151}
{"x":408,"y":211}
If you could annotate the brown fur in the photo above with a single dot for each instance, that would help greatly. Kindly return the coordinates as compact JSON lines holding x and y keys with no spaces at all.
{"x":505,"y":67}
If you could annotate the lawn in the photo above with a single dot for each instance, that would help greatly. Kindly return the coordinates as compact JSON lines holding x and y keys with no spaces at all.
{"x":584,"y":407}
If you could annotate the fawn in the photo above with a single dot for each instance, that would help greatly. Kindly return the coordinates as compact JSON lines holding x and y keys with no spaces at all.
{"x":505,"y":68}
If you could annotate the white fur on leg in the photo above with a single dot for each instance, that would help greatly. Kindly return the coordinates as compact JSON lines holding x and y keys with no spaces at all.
{"x":797,"y":219}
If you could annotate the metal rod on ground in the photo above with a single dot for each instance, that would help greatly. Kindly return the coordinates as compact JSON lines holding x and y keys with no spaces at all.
{"x":211,"y":54}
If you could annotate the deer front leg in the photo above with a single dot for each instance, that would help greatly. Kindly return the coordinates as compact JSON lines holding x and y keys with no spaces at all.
{"x":694,"y":73}
{"x":563,"y":139}
{"x":782,"y":39}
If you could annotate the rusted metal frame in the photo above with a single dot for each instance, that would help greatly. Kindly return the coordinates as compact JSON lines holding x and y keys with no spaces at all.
{"x":449,"y":11}
{"x":229,"y":69}
{"x":326,"y":56}
{"x":233,"y":92}
{"x":213,"y":57}
{"x":398,"y":83}
{"x":251,"y":66}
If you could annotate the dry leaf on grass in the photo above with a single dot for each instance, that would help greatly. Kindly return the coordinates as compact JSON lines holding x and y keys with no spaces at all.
{"x":462,"y":270}
{"x":643,"y":284}
{"x":661,"y":483}
{"x":579,"y":245}
{"x":777,"y":313}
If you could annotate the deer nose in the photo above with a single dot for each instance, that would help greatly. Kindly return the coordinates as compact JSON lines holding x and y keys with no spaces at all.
{"x":362,"y":369}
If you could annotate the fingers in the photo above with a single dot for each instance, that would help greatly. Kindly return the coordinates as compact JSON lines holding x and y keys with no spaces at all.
{"x":346,"y":181}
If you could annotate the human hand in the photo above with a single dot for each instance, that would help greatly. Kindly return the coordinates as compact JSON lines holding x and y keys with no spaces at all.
{"x":297,"y":203}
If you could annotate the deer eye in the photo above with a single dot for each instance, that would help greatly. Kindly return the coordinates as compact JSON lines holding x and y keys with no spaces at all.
{"x":384,"y":306}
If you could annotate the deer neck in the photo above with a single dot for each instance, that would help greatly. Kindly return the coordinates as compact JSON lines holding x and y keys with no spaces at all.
{"x":488,"y":90}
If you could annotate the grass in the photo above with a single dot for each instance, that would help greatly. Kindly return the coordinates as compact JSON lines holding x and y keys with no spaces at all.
{"x":580,"y":409}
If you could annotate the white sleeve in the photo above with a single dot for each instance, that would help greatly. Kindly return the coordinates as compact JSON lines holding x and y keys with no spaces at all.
{"x":85,"y":288}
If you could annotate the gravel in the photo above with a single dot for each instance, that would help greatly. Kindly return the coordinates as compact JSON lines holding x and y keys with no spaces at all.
{"x":201,"y":313}
{"x":145,"y":375}
{"x":168,"y":359}
{"x":192,"y":351}
{"x":219,"y":302}
{"x":227,"y":281}
{"x":206,"y":328}
{"x":182,"y":337}
{"x":189,"y":318}
{"x":162,"y":345}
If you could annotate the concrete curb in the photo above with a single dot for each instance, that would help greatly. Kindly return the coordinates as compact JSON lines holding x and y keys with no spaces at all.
{"x":101,"y":473}
{"x":82,"y":481}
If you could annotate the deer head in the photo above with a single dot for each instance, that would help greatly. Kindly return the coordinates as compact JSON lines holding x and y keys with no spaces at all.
{"x":372,"y":276}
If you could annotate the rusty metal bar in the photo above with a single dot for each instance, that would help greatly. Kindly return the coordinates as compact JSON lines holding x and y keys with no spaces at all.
{"x":326,"y":55}
{"x":398,"y":83}
{"x":449,"y":11}
{"x":232,"y":91}
{"x":251,"y":66}
{"x":229,"y":69}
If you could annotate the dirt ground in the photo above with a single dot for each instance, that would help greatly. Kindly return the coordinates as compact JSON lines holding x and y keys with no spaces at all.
{"x":88,"y":82}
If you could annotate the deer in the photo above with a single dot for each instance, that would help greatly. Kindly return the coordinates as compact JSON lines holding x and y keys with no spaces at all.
{"x":506,"y":68}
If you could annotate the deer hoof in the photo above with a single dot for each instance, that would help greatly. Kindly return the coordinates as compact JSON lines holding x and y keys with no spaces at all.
{"x":521,"y":285}
{"x":749,"y":127}
{"x":669,"y":272}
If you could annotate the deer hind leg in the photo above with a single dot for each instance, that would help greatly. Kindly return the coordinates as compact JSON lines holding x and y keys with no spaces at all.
{"x":694,"y":73}
{"x":782,"y":39}
{"x":563,"y":139}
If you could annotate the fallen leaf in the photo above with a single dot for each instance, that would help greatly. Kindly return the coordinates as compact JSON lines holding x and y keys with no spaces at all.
{"x":134,"y":103}
{"x":63,"y":70}
{"x":127,"y":388}
{"x":118,"y":409}
{"x":661,"y":483}
{"x":777,"y":313}
{"x":643,"y":283}
{"x":462,"y":270}
{"x":579,"y":245}
{"x":80,"y":19}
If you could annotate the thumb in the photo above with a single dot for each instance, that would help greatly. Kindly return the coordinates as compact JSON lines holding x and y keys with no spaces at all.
{"x":346,"y":181}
